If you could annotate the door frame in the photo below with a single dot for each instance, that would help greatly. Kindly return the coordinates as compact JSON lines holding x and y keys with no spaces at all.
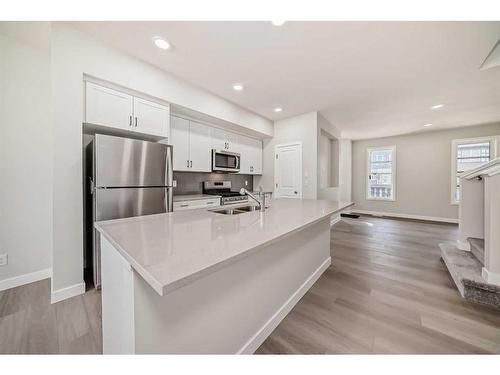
{"x":276,"y":147}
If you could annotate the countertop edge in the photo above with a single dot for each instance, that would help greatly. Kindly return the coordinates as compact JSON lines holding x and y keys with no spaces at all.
{"x":176,"y":284}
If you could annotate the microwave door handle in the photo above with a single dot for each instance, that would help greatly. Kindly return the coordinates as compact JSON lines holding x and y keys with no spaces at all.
{"x":238,"y":161}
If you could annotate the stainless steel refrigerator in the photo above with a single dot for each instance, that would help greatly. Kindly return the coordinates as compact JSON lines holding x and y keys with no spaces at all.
{"x":125,"y":177}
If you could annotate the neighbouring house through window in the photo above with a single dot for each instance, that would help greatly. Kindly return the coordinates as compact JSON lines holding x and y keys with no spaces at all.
{"x":381,"y":173}
{"x":469,"y":154}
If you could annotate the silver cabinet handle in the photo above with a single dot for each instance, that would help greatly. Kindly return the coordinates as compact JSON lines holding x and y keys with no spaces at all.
{"x":184,"y":205}
{"x":130,"y":120}
{"x":191,"y":166}
{"x":136,"y":121}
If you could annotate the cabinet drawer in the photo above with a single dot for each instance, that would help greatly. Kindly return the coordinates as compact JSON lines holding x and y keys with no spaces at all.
{"x":197,"y":203}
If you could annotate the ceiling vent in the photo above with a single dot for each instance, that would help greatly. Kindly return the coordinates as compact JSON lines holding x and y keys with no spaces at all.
{"x":493,"y":58}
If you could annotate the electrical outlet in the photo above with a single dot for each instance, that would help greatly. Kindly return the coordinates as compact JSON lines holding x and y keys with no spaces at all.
{"x":174,"y":183}
{"x":3,"y":259}
{"x":246,"y":183}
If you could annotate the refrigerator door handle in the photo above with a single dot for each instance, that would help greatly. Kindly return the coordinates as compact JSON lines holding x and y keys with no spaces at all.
{"x":169,"y":168}
{"x":169,"y":205}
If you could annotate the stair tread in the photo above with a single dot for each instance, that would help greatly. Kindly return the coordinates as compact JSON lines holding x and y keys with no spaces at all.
{"x":465,"y":270}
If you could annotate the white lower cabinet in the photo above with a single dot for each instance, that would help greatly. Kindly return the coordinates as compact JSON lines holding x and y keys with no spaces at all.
{"x":191,"y":145}
{"x":196,"y":203}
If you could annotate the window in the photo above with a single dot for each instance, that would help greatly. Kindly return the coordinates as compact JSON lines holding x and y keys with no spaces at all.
{"x":469,"y":154}
{"x":381,"y":173}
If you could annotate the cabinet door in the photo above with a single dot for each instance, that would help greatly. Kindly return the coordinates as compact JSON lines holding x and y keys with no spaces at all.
{"x":199,"y":147}
{"x":180,"y":143}
{"x":256,"y":156}
{"x":151,"y":118}
{"x":233,"y":144}
{"x":219,"y":139}
{"x":244,"y":147}
{"x":108,"y":107}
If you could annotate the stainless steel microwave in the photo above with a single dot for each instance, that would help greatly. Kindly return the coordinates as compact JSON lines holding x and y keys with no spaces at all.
{"x":225,"y":161}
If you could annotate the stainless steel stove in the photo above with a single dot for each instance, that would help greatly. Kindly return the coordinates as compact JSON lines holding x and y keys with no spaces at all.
{"x":223,"y":188}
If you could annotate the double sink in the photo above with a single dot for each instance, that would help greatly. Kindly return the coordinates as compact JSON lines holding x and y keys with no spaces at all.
{"x":236,"y":211}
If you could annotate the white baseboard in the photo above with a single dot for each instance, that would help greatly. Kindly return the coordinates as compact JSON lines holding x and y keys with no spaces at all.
{"x":253,"y":344}
{"x":65,"y":293}
{"x":490,"y":277}
{"x":407,"y":216}
{"x":25,"y":279}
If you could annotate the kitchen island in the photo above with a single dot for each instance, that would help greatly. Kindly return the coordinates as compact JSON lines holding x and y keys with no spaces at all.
{"x":205,"y":282}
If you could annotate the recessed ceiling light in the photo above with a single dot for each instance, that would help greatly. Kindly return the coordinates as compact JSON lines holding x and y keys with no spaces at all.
{"x":161,"y":43}
{"x":278,"y":23}
{"x":437,"y":106}
{"x":238,"y":87}
{"x":278,"y":109}
{"x":427,"y":125}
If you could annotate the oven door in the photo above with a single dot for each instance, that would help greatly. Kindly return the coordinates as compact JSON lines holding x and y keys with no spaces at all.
{"x":225,"y":161}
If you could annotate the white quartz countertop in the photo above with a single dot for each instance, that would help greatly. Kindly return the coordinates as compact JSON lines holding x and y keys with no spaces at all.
{"x":172,"y":249}
{"x":193,"y":197}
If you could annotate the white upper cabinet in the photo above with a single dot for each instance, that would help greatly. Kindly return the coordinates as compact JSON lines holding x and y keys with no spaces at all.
{"x":256,"y":156}
{"x":192,"y":145}
{"x":180,"y":142}
{"x":151,"y":118}
{"x":224,"y":140}
{"x":108,"y":107}
{"x":251,"y":155}
{"x":199,"y":148}
{"x":115,"y":109}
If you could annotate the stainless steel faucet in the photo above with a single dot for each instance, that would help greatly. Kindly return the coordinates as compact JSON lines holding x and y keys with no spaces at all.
{"x":262,"y":204}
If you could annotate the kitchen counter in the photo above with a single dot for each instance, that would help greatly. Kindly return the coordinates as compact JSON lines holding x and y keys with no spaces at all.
{"x":169,"y":250}
{"x":200,"y":282}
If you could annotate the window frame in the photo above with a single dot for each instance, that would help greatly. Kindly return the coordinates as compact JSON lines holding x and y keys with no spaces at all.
{"x":369,"y":150}
{"x":454,"y":145}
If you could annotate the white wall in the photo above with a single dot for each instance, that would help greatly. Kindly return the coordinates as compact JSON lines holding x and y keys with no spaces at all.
{"x":345,"y":170}
{"x":25,"y":156}
{"x":307,"y":128}
{"x":339,"y":162}
{"x":301,"y":128}
{"x":423,"y":162}
{"x":73,"y":55}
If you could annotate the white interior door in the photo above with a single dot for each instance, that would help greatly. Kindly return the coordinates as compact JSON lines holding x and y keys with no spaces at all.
{"x":199,"y":147}
{"x":151,"y":118}
{"x":288,"y":171}
{"x":180,"y":143}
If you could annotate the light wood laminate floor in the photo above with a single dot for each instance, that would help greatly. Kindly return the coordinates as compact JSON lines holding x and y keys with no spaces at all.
{"x":387,"y":291}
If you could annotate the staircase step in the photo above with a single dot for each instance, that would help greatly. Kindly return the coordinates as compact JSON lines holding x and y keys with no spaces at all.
{"x":477,"y":248}
{"x":465,"y":270}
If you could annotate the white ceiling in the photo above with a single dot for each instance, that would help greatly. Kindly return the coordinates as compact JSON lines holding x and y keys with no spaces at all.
{"x":370,"y":79}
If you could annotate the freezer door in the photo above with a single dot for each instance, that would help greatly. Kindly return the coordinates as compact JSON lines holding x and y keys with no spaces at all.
{"x":125,"y":162}
{"x":126,"y":202}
